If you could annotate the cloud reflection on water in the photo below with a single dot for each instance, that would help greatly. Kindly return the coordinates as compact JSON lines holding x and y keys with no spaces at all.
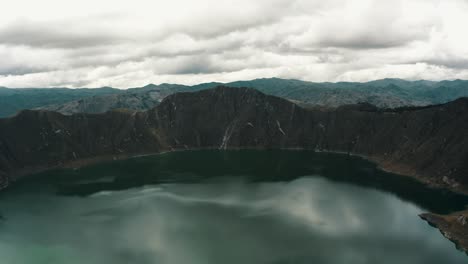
{"x":227,"y":221}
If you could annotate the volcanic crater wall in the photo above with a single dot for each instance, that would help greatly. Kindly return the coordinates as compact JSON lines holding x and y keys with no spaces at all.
{"x":429,"y":143}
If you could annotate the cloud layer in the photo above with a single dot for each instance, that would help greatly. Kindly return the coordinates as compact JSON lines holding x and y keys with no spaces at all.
{"x":132,"y":43}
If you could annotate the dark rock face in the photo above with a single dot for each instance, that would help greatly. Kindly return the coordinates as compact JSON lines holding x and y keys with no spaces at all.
{"x":430,"y":143}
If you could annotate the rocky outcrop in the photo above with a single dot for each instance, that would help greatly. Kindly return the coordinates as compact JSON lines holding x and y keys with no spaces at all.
{"x":454,"y":227}
{"x":429,"y":143}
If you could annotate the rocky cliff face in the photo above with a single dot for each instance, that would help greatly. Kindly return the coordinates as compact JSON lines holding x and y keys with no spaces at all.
{"x":430,"y":143}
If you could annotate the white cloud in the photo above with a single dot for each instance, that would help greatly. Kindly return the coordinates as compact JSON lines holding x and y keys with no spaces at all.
{"x":132,"y":43}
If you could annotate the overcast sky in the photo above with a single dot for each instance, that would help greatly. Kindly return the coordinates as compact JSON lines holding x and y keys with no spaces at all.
{"x":91,"y":43}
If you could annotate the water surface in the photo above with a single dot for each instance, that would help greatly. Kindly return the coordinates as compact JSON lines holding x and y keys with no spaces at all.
{"x":215,"y":207}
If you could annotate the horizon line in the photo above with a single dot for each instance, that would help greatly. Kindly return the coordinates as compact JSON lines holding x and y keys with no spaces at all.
{"x":247,"y":80}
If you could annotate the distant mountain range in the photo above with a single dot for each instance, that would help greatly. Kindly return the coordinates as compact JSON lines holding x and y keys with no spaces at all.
{"x":386,"y":93}
{"x":14,"y":100}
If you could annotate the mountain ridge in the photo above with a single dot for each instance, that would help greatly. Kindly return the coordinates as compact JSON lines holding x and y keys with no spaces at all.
{"x":428,"y":143}
{"x":385,"y":93}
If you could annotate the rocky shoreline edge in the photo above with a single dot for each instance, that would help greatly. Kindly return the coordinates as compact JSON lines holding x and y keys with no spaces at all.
{"x":453,"y":226}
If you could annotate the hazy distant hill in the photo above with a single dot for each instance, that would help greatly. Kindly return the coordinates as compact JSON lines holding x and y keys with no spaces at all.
{"x":137,"y":99}
{"x":14,"y":100}
{"x":387,"y":93}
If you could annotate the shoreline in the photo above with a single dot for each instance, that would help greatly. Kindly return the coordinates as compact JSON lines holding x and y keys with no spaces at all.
{"x":378,"y":161}
{"x":453,"y":226}
{"x":456,"y":233}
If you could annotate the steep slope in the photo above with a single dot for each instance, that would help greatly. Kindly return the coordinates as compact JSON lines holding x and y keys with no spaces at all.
{"x":430,"y":143}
